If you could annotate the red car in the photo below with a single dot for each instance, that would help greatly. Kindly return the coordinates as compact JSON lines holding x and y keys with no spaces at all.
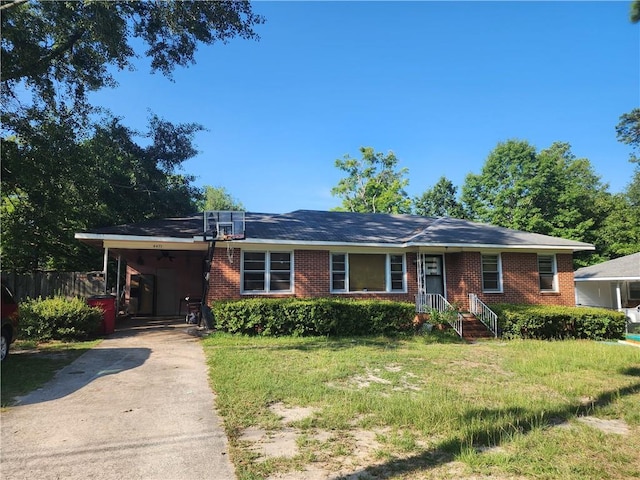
{"x":9,"y":321}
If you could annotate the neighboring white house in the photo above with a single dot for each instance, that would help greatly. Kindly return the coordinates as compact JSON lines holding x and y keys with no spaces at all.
{"x":613,"y":284}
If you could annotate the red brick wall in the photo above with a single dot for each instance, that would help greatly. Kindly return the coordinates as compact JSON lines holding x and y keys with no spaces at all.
{"x":311,"y":278}
{"x":463,"y":273}
{"x":519,"y":278}
{"x":224,"y":278}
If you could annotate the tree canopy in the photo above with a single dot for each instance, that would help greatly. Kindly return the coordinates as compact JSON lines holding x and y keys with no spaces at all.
{"x":71,"y":45}
{"x":549,"y":192}
{"x":373,"y":183}
{"x":218,"y":198}
{"x":66,"y":165}
{"x":439,"y":201}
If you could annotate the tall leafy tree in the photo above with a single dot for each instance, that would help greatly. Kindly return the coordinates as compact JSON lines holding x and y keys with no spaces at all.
{"x":499,"y":194}
{"x":218,"y":198}
{"x":621,"y":229}
{"x":634,"y":12}
{"x":373,"y":183}
{"x":549,"y":192}
{"x":54,"y":47}
{"x":63,"y":181}
{"x":439,"y":201}
{"x":66,"y":166}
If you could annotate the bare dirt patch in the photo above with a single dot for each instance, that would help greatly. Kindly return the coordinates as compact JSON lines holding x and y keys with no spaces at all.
{"x":290,"y":414}
{"x":400,"y":381}
{"x":618,"y":427}
{"x":347,"y":456}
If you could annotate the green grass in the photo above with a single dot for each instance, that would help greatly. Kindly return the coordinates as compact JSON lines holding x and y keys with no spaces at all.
{"x":30,"y":365}
{"x":436,"y":410}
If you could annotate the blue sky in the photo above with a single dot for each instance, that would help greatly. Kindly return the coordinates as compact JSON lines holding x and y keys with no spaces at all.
{"x":437,"y":83}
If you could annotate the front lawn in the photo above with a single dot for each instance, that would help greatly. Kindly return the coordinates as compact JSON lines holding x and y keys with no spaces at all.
{"x":411,"y":409}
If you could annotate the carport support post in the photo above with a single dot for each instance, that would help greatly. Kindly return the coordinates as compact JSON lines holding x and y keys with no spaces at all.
{"x":104,"y":268}
{"x":118,"y":284}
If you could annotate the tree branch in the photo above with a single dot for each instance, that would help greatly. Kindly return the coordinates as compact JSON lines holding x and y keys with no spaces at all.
{"x":11,"y":3}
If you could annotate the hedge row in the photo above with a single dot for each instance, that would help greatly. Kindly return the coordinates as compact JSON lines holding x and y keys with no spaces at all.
{"x":300,"y":317}
{"x":556,"y":322}
{"x":58,"y":318}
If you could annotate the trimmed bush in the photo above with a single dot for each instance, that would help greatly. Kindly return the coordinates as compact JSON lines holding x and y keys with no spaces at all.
{"x":556,"y":322}
{"x":307,"y":317}
{"x":58,"y":318}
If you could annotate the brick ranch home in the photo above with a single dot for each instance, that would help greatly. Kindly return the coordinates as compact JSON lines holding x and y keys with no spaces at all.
{"x":309,"y":253}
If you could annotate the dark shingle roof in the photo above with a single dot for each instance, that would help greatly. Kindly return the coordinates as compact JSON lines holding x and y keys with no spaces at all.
{"x":357,"y":228}
{"x":624,"y":267}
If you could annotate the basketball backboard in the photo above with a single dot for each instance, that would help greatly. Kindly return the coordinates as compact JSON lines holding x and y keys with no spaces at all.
{"x":224,"y":225}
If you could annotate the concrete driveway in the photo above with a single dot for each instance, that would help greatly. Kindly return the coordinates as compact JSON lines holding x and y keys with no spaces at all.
{"x":138,"y":406}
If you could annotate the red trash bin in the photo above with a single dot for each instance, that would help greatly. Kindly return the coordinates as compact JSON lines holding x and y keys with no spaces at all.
{"x":108,"y":305}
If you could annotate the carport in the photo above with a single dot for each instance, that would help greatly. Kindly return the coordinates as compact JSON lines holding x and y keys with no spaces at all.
{"x":161,"y":270}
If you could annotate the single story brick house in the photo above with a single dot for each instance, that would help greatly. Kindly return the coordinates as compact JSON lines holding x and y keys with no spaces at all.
{"x":309,"y":253}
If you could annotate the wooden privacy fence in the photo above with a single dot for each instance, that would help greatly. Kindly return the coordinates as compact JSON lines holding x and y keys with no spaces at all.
{"x":46,"y":284}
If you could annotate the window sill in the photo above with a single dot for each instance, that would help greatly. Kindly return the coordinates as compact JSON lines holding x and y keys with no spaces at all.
{"x":371,"y":292}
{"x":550,"y":294}
{"x":275,"y":292}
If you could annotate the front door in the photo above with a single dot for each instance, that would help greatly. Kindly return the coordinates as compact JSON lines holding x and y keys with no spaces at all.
{"x":430,"y":274}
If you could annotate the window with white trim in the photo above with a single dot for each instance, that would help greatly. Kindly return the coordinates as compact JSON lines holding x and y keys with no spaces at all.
{"x":634,"y":290}
{"x":266,"y":272}
{"x":547,"y":271}
{"x":368,"y":272}
{"x":491,"y":273}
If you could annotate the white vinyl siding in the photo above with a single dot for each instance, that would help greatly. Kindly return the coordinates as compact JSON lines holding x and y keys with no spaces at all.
{"x":368,"y":272}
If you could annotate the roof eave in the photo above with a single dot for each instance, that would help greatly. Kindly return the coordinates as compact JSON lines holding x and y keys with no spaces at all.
{"x":99,"y":237}
{"x":608,"y":279}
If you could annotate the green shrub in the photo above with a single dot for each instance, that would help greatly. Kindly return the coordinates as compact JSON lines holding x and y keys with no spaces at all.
{"x":58,"y":318}
{"x":556,"y":322}
{"x":305,"y":317}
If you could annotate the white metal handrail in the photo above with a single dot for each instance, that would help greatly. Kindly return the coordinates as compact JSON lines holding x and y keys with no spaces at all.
{"x":484,"y":313}
{"x":434,"y":302}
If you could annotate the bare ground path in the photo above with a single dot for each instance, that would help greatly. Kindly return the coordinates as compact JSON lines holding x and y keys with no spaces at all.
{"x":138,"y":406}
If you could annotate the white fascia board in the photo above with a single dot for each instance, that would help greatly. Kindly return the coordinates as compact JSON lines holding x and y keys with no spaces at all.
{"x":131,"y":238}
{"x":314,"y":243}
{"x":608,"y":279}
{"x":467,"y":246}
{"x":488,"y":246}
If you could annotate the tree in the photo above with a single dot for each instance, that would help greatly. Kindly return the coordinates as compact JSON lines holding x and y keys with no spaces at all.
{"x":439,"y":201}
{"x":66,"y":166}
{"x":628,"y":130}
{"x":218,"y":198}
{"x":372,"y":184}
{"x":549,"y":192}
{"x":619,"y":233}
{"x":634,"y":13}
{"x":498,"y":194}
{"x":56,"y":185}
{"x":70,"y":45}
{"x":621,"y":229}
